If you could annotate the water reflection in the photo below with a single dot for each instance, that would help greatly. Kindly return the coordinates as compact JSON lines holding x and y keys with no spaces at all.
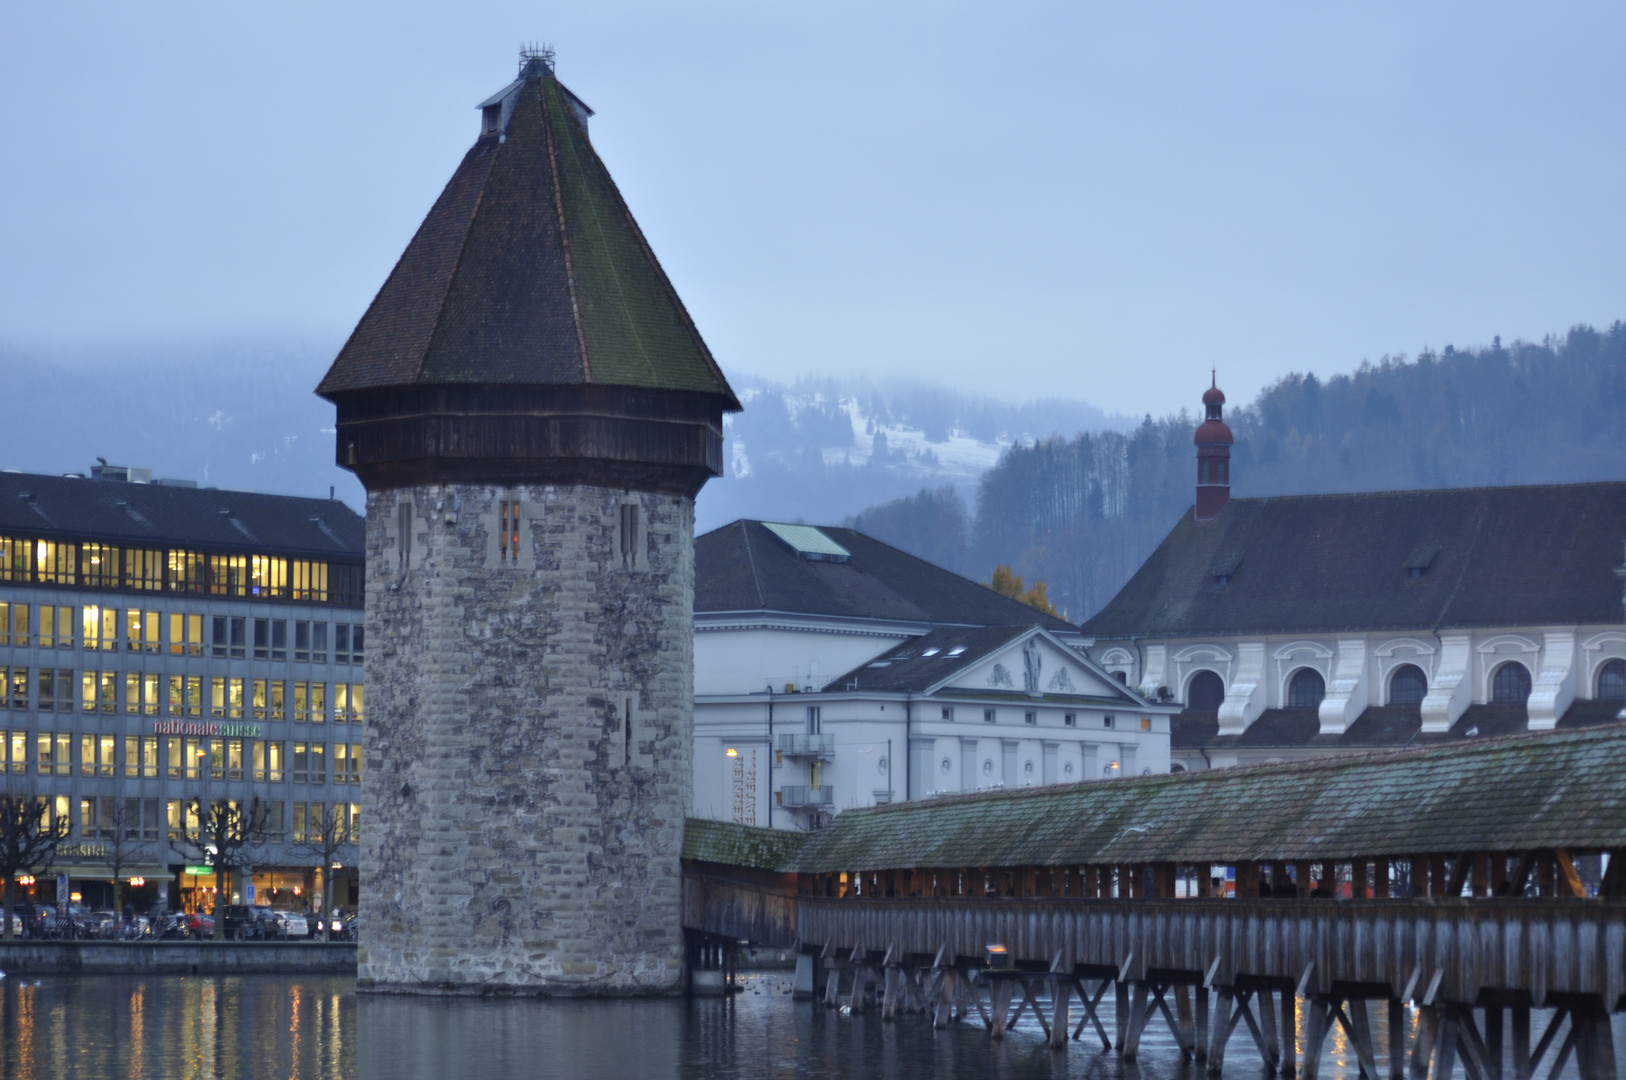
{"x":268,"y":1026}
{"x":176,"y":1026}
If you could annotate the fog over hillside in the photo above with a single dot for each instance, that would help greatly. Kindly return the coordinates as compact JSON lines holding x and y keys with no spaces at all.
{"x":243,"y":414}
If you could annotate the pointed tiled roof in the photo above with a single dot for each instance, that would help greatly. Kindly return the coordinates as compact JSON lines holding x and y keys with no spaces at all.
{"x":528,"y":270}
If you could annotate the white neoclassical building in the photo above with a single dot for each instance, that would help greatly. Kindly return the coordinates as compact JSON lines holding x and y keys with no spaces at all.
{"x":834,"y":671}
{"x":1306,"y":625}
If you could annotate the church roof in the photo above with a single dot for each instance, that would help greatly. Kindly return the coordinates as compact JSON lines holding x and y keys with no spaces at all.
{"x":746,"y":566}
{"x":528,"y":270}
{"x":1398,"y":560}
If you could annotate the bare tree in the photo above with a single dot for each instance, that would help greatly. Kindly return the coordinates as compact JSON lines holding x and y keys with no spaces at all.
{"x":124,"y":848}
{"x":327,"y":833}
{"x":28,"y":840}
{"x":221,"y":834}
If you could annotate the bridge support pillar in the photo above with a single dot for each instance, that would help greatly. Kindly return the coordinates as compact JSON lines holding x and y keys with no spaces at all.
{"x":1200,"y":1032}
{"x":1271,"y":1043}
{"x":1397,"y":1039}
{"x":1290,"y":1031}
{"x":1120,"y":1013}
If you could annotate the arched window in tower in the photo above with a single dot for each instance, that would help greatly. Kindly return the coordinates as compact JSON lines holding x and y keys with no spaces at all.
{"x":1612,"y":681}
{"x":1306,"y":689}
{"x":1205,"y":692}
{"x":1408,"y":685}
{"x":1511,"y":684}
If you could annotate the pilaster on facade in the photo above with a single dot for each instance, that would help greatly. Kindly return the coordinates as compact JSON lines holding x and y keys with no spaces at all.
{"x":1451,"y":692}
{"x":1347,"y":692}
{"x":1245,"y":697}
{"x":1554,"y":686}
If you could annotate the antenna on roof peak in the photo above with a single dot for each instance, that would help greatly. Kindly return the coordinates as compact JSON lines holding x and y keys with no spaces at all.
{"x":532,"y":54}
{"x":1213,"y":378}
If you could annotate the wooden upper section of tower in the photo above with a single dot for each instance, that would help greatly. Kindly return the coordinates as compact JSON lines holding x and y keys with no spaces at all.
{"x":528,"y":290}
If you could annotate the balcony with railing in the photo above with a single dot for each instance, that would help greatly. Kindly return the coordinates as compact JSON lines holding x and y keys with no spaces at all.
{"x":822,"y":747}
{"x":804,"y":797}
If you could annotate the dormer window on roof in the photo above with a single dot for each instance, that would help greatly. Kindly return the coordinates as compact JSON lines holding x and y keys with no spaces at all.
{"x":808,"y":542}
{"x":1421,"y":558}
{"x":930,"y":652}
{"x":957,"y":650}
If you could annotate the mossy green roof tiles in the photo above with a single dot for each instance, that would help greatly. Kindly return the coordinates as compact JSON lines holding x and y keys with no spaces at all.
{"x":1548,"y":790}
{"x":529,"y":270}
{"x":740,"y":845}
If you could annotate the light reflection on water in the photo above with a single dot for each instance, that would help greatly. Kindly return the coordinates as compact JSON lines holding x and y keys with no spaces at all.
{"x":268,"y":1026}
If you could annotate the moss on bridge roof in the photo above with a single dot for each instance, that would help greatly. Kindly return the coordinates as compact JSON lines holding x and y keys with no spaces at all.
{"x":1552,"y":790}
{"x":740,"y":845}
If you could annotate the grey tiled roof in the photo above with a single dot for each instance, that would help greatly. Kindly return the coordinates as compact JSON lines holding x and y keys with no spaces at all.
{"x":1552,"y":790}
{"x":1501,"y":556}
{"x":529,"y":270}
{"x":744,"y":567}
{"x":157,"y":515}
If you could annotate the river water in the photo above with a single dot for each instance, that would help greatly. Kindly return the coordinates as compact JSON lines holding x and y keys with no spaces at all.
{"x":104,"y":1027}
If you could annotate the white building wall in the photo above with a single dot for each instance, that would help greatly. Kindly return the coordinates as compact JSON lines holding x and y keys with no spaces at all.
{"x":747,"y":660}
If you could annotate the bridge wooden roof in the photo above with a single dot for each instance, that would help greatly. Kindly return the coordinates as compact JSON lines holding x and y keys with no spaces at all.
{"x":1553,"y":790}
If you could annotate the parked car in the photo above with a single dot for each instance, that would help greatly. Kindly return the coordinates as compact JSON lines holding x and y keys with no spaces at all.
{"x":293,"y":924}
{"x":173,"y":926}
{"x":352,"y":928}
{"x":38,"y":921}
{"x":200,"y":925}
{"x":242,"y":922}
{"x":99,"y":924}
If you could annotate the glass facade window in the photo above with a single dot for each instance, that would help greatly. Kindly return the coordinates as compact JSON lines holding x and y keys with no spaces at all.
{"x":299,"y":823}
{"x":18,"y":757}
{"x":172,"y":759}
{"x":301,"y":769}
{"x":309,"y":580}
{"x":341,"y":763}
{"x":274,"y":759}
{"x":173,"y":822}
{"x":13,"y":559}
{"x":228,"y":575}
{"x":56,"y":563}
{"x":101,"y":566}
{"x":143,"y":569}
{"x":14,"y":625}
{"x":194,"y":759}
{"x":16,"y":688}
{"x":318,"y":703}
{"x":341,"y":703}
{"x":234,"y":759}
{"x":56,"y":626}
{"x":234,"y":698}
{"x":186,"y":571}
{"x":217,"y":697}
{"x":132,"y":757}
{"x":355,"y":763}
{"x":276,"y":708}
{"x":302,"y":702}
{"x":141,"y":630}
{"x":257,"y":702}
{"x":217,"y":758}
{"x":279,"y":639}
{"x":318,"y":763}
{"x":302,"y":642}
{"x":357,"y":643}
{"x":257,"y":759}
{"x":275,"y":821}
{"x":268,"y":576}
{"x":341,"y":643}
{"x":319,"y":643}
{"x":149,"y":759}
{"x":87,"y":755}
{"x":262,"y":639}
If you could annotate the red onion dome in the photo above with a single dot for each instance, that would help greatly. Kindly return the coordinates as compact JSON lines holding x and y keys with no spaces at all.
{"x":1213,"y":432}
{"x":1213,"y":396}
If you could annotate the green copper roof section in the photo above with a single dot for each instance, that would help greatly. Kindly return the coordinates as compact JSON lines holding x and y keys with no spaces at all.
{"x":1520,"y":793}
{"x":529,"y":270}
{"x":740,"y":845}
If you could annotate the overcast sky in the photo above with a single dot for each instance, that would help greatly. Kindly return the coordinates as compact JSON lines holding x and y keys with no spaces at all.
{"x":1043,"y":199}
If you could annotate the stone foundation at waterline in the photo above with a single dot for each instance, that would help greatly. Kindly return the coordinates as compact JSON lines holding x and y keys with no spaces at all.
{"x":529,"y":680}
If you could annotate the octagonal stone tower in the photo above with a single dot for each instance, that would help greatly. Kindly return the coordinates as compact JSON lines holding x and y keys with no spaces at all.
{"x":532,"y":412}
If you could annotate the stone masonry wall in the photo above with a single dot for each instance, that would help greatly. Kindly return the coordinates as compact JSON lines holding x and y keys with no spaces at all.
{"x":522,"y":831}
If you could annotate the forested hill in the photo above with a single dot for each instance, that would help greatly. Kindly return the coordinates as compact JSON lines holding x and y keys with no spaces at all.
{"x":1082,"y":514}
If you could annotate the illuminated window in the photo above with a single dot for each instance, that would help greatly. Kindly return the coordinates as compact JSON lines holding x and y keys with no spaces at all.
{"x":228,"y":575}
{"x":143,"y":569}
{"x":56,"y":627}
{"x":355,"y":763}
{"x":16,"y":688}
{"x":186,"y":571}
{"x":172,"y":758}
{"x":149,"y":759}
{"x":341,"y":762}
{"x":100,"y":566}
{"x":15,"y":630}
{"x":318,"y":703}
{"x":274,"y":755}
{"x":341,"y":703}
{"x":275,"y":707}
{"x":217,"y":759}
{"x":195,"y":753}
{"x":13,"y":559}
{"x":302,"y":706}
{"x":309,"y":580}
{"x":301,"y":771}
{"x":257,"y":759}
{"x":234,"y":759}
{"x":268,"y":576}
{"x":56,"y":563}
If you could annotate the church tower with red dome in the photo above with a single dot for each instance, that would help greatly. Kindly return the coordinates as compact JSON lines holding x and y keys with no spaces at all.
{"x":1213,"y":441}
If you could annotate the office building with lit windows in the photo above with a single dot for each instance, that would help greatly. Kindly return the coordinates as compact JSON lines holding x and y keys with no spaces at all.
{"x":158,"y":642}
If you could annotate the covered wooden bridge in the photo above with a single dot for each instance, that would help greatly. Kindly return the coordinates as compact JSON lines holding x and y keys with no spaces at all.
{"x":1475,"y":883}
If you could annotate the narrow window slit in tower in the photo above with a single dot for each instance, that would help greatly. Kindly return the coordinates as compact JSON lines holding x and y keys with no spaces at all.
{"x":629,"y":537}
{"x":403,"y":541}
{"x":509,"y":541}
{"x":626,"y":735}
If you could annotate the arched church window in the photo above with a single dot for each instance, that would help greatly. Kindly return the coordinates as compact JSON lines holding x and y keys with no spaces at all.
{"x":1306,"y":689}
{"x":1612,"y":681}
{"x":1408,"y":685}
{"x":1511,"y":684}
{"x":1205,"y":693}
